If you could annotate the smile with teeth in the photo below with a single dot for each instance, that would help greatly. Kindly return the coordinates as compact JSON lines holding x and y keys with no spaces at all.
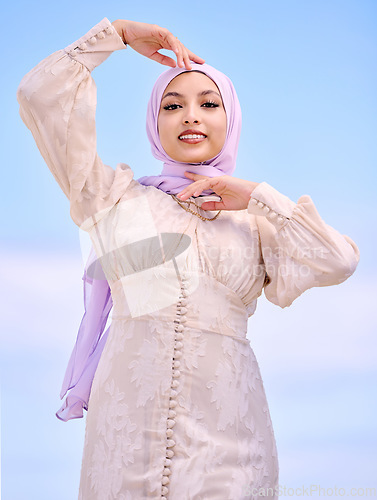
{"x":192,"y":136}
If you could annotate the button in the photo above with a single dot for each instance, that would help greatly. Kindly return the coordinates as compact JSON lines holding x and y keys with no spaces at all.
{"x":173,"y":394}
{"x":170,"y":443}
{"x":179,"y":336}
{"x":176,"y":373}
{"x":172,"y":413}
{"x":253,"y":201}
{"x":179,"y":328}
{"x":109,"y":30}
{"x":170,"y":423}
{"x":175,"y":383}
{"x":165,"y":480}
{"x":170,"y":453}
{"x":83,"y":46}
{"x":178,"y":345}
{"x":260,"y":204}
{"x":167,"y":461}
{"x":172,"y":403}
{"x":164,"y":491}
{"x":272,"y":215}
{"x":169,"y":433}
{"x":93,"y":40}
{"x":280,"y":219}
{"x":166,"y":471}
{"x":178,"y":354}
{"x":177,"y":364}
{"x":101,"y":34}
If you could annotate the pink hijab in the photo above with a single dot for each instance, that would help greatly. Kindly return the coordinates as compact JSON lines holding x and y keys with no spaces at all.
{"x":91,"y":340}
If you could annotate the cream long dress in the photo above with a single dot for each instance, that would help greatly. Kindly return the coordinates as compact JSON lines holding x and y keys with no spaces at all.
{"x":177,"y":408}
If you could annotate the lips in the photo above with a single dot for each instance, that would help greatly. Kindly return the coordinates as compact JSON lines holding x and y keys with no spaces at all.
{"x":192,"y":136}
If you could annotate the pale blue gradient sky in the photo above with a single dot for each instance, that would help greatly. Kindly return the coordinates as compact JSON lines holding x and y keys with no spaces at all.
{"x":306,"y":77}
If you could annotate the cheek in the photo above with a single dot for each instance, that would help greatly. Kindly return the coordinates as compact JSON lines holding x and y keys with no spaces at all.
{"x":160,"y":125}
{"x":221,"y":130}
{"x":164,"y":128}
{"x":161,"y":129}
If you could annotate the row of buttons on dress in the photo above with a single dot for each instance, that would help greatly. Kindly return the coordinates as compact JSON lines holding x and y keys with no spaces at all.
{"x":109,"y":30}
{"x":270,"y":214}
{"x":179,"y":321}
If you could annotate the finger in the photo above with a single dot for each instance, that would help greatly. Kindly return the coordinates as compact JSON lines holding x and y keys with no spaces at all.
{"x":186,"y":193}
{"x":172,"y":43}
{"x":180,"y":57}
{"x":213,"y":205}
{"x":191,"y":175}
{"x":195,"y":189}
{"x":184,"y":56}
{"x":165,"y":60}
{"x":186,"y":59}
{"x":191,"y":187}
{"x":195,"y":58}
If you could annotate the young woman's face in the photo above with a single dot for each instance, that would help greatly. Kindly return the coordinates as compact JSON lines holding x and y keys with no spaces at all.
{"x":192,"y":119}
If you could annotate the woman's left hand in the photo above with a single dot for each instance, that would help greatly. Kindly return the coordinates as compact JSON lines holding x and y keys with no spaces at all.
{"x":235,"y":193}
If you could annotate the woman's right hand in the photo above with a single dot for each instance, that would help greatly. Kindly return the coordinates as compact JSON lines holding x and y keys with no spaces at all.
{"x":148,"y":39}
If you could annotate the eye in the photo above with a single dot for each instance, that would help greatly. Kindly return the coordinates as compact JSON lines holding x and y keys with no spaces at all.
{"x":169,"y":107}
{"x":210,"y":104}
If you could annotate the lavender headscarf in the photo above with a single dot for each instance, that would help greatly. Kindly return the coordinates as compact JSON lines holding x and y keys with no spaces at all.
{"x":91,"y":340}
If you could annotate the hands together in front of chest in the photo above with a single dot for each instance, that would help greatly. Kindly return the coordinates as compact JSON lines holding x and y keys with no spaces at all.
{"x":148,"y":39}
{"x":235,"y":193}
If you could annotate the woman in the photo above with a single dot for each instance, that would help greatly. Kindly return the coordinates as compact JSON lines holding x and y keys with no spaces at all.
{"x":177,"y":407}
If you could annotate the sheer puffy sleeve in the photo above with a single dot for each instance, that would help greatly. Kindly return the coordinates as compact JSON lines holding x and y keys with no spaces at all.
{"x":57,"y":103}
{"x":299,"y":249}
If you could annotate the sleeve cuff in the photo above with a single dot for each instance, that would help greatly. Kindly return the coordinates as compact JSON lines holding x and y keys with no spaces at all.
{"x":96,"y":46}
{"x":267,"y":201}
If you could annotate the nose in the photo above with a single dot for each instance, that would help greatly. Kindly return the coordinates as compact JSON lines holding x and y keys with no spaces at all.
{"x":191,"y":115}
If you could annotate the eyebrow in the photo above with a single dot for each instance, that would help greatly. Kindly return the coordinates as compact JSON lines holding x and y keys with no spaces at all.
{"x":177,"y":94}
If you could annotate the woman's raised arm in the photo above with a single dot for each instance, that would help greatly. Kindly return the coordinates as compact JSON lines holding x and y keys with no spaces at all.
{"x":299,"y":249}
{"x":148,"y":39}
{"x":58,"y":102}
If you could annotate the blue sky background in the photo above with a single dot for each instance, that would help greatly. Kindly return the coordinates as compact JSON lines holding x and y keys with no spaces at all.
{"x":305,"y":73}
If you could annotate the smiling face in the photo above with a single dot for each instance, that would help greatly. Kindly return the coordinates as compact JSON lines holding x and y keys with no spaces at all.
{"x":192,"y":118}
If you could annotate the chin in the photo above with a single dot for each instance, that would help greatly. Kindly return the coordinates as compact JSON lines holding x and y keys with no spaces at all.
{"x":196,"y":158}
{"x":198,"y":153}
